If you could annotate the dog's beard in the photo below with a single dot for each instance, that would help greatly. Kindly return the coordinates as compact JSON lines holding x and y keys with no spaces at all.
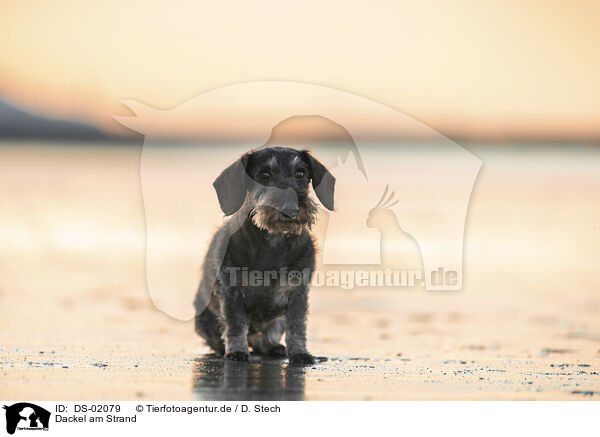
{"x":271,"y":220}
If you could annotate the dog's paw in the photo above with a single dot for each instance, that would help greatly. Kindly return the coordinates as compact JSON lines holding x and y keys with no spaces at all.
{"x":278,"y":352}
{"x":237,"y":356}
{"x":302,"y":358}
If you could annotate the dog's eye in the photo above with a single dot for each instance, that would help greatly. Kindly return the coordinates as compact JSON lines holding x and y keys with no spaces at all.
{"x":265,"y":175}
{"x":300,"y":173}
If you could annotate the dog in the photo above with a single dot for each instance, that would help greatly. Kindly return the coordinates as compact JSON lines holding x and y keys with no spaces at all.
{"x":251,"y":293}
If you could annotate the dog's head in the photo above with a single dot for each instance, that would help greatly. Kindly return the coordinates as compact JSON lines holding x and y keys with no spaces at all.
{"x":273,"y":183}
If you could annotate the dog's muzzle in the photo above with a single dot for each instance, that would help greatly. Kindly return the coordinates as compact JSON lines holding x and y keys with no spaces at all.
{"x":281,"y":211}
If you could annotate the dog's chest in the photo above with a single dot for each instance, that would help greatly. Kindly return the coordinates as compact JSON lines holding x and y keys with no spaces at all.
{"x":265,"y":303}
{"x":275,"y":296}
{"x":269,"y":269}
{"x":271,"y":254}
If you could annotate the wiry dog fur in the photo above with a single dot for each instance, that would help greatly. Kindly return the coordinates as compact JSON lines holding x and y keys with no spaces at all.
{"x":266,"y":193}
{"x":269,"y":219}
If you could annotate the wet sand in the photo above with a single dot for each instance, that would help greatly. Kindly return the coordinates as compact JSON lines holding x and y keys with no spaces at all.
{"x":78,"y":323}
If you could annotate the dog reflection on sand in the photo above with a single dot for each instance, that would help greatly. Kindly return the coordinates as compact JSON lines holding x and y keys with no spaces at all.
{"x":217,"y":379}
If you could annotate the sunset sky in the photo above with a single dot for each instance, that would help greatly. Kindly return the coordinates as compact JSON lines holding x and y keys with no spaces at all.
{"x":480,"y":68}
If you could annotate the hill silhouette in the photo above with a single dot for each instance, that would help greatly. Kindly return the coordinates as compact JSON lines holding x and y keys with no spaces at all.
{"x":17,"y":123}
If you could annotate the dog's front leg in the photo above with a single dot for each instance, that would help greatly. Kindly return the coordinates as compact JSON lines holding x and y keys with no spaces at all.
{"x":295,"y":327}
{"x":236,"y":325}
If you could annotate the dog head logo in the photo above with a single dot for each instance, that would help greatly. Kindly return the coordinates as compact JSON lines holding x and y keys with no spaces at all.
{"x":423,"y":179}
{"x":26,"y":416}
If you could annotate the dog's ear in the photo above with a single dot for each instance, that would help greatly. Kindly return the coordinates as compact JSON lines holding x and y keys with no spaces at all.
{"x":323,"y":182}
{"x":231,"y":186}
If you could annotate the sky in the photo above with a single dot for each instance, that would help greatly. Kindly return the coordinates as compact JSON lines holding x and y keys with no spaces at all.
{"x":487,"y":69}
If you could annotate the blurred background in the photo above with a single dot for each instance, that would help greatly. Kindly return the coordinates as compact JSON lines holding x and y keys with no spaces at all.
{"x":514,"y":83}
{"x":485,"y":70}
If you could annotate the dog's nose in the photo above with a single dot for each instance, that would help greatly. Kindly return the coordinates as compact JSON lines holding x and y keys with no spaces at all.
{"x":290,"y":211}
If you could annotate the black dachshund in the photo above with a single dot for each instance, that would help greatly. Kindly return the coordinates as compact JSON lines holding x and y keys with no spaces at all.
{"x":257,"y":271}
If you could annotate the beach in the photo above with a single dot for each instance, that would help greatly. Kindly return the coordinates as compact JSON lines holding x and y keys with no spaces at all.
{"x":78,"y":321}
